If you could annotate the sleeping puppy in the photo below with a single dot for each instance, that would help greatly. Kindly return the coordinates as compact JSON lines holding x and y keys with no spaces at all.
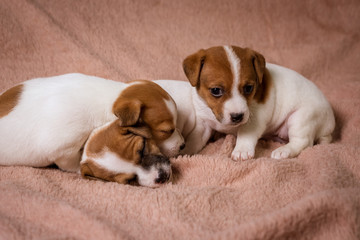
{"x":234,"y":92}
{"x":47,"y":121}
{"x":124,"y":155}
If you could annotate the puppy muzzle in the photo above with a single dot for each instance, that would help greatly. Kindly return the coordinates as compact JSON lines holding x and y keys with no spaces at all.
{"x":155,"y":171}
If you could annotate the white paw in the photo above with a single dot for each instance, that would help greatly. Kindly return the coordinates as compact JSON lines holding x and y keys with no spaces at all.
{"x":237,"y":155}
{"x":281,"y":152}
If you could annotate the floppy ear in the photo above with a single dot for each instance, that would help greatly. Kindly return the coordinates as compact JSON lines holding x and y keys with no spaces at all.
{"x":258,"y":62}
{"x":86,"y":171}
{"x":124,"y":178}
{"x":128,"y":111}
{"x":93,"y":171}
{"x":192,"y":66}
{"x":262,"y":90}
{"x":153,"y":148}
{"x":142,"y":131}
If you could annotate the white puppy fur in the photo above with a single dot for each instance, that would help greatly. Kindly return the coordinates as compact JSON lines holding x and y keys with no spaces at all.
{"x":296,"y":111}
{"x":292,"y":107}
{"x":54,"y":117}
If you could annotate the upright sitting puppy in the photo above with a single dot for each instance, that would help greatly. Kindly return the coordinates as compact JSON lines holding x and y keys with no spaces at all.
{"x":233,"y":92}
{"x":48,"y":120}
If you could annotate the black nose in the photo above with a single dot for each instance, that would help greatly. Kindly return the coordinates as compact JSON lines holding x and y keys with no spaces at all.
{"x":182,"y":146}
{"x":163,"y":177}
{"x":236,"y":117}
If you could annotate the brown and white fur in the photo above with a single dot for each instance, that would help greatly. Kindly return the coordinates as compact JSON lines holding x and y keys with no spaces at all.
{"x":124,"y":155}
{"x":47,"y":121}
{"x":233,"y":91}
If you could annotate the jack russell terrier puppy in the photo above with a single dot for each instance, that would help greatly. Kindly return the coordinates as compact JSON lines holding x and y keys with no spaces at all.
{"x":124,"y":155}
{"x":232,"y":91}
{"x":47,"y":121}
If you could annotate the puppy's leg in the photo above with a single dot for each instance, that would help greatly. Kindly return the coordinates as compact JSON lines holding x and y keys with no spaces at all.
{"x":69,"y":162}
{"x":247,"y":137}
{"x":303,"y":125}
{"x":324,"y":139}
{"x":293,"y":148}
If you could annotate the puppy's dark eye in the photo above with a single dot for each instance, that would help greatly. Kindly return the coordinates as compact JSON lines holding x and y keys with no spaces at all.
{"x":217,"y":92}
{"x":248,"y":89}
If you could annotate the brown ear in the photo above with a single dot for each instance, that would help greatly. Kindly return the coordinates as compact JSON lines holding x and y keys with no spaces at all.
{"x":258,"y":62}
{"x":128,"y":111}
{"x":86,"y":171}
{"x":142,"y":131}
{"x":124,"y":178}
{"x":92,"y":171}
{"x":192,"y":66}
{"x":153,"y":148}
{"x":262,"y":91}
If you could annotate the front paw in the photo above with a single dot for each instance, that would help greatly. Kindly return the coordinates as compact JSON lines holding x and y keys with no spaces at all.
{"x":237,"y":155}
{"x":186,"y":151}
{"x":284,"y":152}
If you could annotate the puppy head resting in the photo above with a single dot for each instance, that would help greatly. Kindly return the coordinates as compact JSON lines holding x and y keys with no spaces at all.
{"x":124,"y":154}
{"x":228,"y":79}
{"x":145,"y":102}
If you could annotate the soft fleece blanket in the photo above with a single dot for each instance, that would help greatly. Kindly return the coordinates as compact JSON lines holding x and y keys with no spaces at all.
{"x":313,"y":196}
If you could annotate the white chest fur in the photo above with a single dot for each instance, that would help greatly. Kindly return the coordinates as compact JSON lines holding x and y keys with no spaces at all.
{"x":295,"y":110}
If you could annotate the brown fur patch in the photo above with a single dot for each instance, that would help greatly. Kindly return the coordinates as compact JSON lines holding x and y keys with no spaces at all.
{"x":143,"y":118}
{"x":215,"y":73}
{"x":9,"y":99}
{"x":151,"y":109}
{"x":263,"y":91}
{"x":128,"y":143}
{"x":119,"y":140}
{"x":91,"y":170}
{"x":252,"y":70}
{"x":192,"y":66}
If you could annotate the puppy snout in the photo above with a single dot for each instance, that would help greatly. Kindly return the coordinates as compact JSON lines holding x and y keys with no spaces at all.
{"x":236,"y":117}
{"x":163,"y":177}
{"x":182,"y":146}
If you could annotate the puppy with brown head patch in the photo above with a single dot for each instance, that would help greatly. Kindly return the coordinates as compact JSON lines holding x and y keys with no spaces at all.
{"x":234,"y":91}
{"x":123,"y":154}
{"x":48,"y":120}
{"x":155,"y":107}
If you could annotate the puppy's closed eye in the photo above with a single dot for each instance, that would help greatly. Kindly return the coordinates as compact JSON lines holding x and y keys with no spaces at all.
{"x":170,"y":131}
{"x":163,"y":133}
{"x":142,"y":131}
{"x":167,"y":132}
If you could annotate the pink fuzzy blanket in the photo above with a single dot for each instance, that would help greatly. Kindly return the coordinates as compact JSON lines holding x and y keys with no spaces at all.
{"x":313,"y":196}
